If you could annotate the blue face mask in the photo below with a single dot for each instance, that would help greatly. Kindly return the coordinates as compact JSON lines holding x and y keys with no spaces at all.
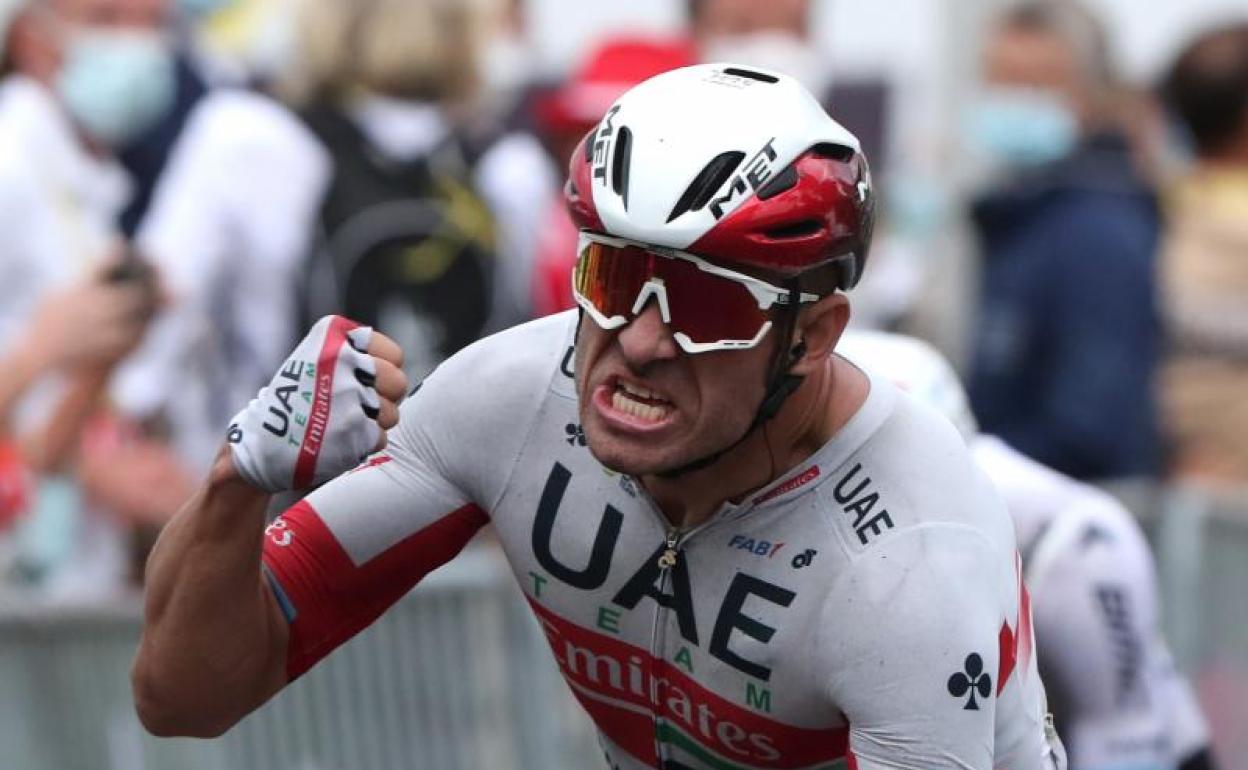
{"x":1022,"y":127}
{"x":117,"y":84}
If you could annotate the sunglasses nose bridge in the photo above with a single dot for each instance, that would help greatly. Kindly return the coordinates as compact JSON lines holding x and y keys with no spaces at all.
{"x":647,"y":337}
{"x":653,"y":288}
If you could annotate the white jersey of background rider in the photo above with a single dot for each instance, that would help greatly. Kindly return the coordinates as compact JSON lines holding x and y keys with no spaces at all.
{"x":867,"y":605}
{"x":1109,"y":675}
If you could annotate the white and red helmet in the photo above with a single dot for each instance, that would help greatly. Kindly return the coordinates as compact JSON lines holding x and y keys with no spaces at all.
{"x":732,"y":163}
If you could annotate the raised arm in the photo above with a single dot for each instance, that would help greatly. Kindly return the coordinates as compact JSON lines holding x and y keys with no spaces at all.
{"x":214,"y":641}
{"x":214,"y":644}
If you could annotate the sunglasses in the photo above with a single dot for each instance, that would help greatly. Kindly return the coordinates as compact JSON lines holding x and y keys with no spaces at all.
{"x":708,"y":307}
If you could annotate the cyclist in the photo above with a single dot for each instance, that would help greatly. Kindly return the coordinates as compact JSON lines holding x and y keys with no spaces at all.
{"x":743,"y":551}
{"x":1117,"y":696}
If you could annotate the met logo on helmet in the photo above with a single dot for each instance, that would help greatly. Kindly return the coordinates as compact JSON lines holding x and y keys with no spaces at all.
{"x":602,"y":145}
{"x":755,"y":174}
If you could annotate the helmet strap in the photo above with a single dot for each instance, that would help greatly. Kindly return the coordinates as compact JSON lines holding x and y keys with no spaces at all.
{"x":781,"y":383}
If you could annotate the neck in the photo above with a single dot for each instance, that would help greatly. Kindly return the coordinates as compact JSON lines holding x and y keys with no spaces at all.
{"x":825,"y":401}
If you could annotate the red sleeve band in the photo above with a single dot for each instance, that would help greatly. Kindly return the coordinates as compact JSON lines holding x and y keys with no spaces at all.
{"x":327,"y":598}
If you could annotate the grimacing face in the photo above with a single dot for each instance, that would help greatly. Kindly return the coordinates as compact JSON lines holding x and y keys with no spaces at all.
{"x":647,"y":407}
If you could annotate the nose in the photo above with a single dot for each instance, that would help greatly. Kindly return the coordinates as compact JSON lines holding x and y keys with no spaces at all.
{"x":646,"y":338}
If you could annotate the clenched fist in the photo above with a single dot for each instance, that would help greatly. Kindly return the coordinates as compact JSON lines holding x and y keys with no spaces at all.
{"x":326,"y":409}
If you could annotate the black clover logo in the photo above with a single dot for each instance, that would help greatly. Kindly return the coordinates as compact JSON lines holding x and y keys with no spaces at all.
{"x":575,"y":434}
{"x":972,"y":680}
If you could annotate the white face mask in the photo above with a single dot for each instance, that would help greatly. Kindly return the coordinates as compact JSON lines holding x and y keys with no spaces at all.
{"x":506,"y":66}
{"x":116,"y":84}
{"x":773,"y":50}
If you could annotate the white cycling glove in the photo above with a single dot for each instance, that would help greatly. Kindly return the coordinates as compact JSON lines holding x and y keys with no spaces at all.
{"x":317,"y":417}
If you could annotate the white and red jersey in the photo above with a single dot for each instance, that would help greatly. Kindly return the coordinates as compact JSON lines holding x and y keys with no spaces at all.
{"x":865,"y":607}
{"x":1120,"y":701}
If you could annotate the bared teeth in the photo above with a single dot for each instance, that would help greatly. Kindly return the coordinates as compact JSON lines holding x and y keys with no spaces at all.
{"x":621,"y":402}
{"x":637,"y":390}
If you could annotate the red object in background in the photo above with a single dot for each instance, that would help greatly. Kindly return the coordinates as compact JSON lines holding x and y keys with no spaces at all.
{"x":612,"y":68}
{"x":556,"y":256}
{"x":568,"y":113}
{"x":16,"y":485}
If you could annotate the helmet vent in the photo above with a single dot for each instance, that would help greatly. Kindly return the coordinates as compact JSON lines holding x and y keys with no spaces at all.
{"x":838,"y":152}
{"x":708,"y":180}
{"x":752,"y":75}
{"x":619,"y":163}
{"x":793,"y":231}
{"x":785,"y":180}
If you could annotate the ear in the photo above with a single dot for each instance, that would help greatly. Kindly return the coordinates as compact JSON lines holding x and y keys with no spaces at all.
{"x":819,"y":328}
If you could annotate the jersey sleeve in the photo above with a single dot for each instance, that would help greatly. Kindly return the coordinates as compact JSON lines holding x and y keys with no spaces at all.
{"x":339,"y":558}
{"x":1096,"y":611}
{"x":917,"y":664}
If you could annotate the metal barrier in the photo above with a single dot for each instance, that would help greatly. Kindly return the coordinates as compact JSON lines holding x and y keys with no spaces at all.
{"x":1202,"y":555}
{"x":457,"y":674}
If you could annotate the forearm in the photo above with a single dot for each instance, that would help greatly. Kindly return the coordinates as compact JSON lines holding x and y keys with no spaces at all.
{"x":18,"y":369}
{"x":48,"y":449}
{"x":214,"y":641}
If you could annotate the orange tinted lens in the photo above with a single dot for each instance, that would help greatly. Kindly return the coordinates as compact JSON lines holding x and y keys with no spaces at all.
{"x":611,"y":276}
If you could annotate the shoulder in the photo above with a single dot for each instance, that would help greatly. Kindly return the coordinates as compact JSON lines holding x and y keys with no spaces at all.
{"x":503,"y":374}
{"x":912,"y":609}
{"x":250,"y":128}
{"x":19,"y":183}
{"x":1034,"y":493}
{"x":18,"y":177}
{"x":515,"y":168}
{"x":931,"y":560}
{"x":917,"y":469}
{"x":471,"y":418}
{"x":515,"y":156}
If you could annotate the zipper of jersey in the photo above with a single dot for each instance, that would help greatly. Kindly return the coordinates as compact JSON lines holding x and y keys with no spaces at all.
{"x":667,"y":559}
{"x":673,"y":540}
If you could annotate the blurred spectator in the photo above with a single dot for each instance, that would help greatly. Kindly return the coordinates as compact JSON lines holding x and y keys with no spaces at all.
{"x":1205,"y":262}
{"x":145,"y":156}
{"x":564,"y":116}
{"x":773,"y":35}
{"x":1067,"y":337}
{"x":508,"y":66}
{"x":82,"y":79}
{"x":257,"y":50}
{"x":80,"y":332}
{"x":362,"y":195}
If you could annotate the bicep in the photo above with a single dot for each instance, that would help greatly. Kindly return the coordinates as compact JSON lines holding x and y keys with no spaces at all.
{"x":338,"y":559}
{"x":918,"y":681}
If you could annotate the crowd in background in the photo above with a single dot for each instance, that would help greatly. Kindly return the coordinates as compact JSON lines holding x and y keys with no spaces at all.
{"x":186,"y":184}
